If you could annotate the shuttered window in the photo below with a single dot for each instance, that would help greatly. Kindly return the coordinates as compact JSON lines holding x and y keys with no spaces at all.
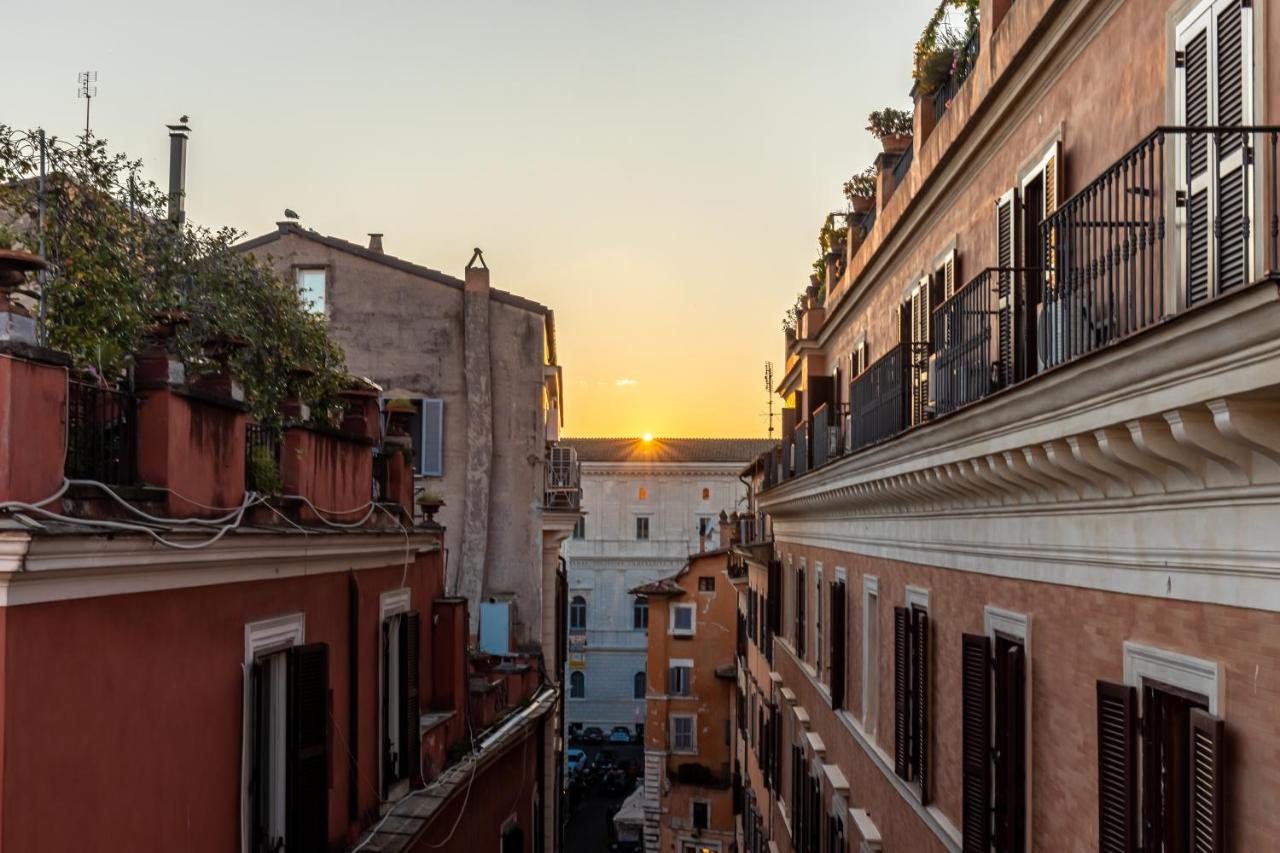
{"x":401,"y":702}
{"x":838,"y":645}
{"x":1215,"y":74}
{"x":307,"y":770}
{"x":976,"y":722}
{"x":911,"y":697}
{"x":919,"y":310}
{"x":1009,"y":705}
{"x":1117,"y":768}
{"x":1006,"y":287}
{"x":801,"y":594}
{"x":1206,"y":783}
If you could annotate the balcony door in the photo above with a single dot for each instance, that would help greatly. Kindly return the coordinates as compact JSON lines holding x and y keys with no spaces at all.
{"x":1214,"y":89}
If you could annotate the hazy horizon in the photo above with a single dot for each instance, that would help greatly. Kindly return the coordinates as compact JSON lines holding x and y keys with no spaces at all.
{"x":656,"y":174}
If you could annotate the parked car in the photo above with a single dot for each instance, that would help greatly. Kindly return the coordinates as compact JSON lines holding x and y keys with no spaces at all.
{"x":614,"y":783}
{"x":620,"y":734}
{"x":593,"y":734}
{"x":575,"y":732}
{"x":575,"y":760}
{"x":603,"y":761}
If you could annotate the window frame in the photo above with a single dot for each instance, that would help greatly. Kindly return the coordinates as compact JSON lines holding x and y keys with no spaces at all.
{"x":643,"y":520}
{"x":674,"y":734}
{"x":693,"y":813}
{"x":300,"y":270}
{"x":870,"y":655}
{"x":640,"y":605}
{"x":673,"y":629}
{"x":391,"y":604}
{"x":685,"y":665}
{"x":582,"y":678}
{"x":578,"y":605}
{"x":639,"y":680}
{"x":421,"y":401}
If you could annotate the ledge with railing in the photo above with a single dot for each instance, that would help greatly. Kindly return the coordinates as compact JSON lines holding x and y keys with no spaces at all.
{"x":879,"y":399}
{"x":964,"y":63}
{"x":563,"y":480}
{"x":102,"y":434}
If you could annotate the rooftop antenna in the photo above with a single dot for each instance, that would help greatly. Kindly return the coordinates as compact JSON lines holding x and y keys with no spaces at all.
{"x":88,"y":90}
{"x":768,"y":388}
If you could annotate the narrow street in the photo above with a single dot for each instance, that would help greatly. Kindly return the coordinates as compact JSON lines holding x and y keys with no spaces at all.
{"x":590,"y":809}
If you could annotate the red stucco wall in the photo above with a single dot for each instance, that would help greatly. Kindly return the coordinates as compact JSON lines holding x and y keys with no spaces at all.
{"x":33,"y":402}
{"x":193,"y":447}
{"x":334,"y":473}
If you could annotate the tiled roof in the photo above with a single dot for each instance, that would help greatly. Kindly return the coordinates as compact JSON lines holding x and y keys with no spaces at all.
{"x":739,"y":450}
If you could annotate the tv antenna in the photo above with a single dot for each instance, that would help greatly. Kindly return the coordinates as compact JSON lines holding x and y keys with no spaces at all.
{"x":88,"y":90}
{"x":768,"y":388}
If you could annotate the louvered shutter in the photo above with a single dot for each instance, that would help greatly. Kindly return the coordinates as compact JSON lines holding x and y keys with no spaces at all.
{"x":948,"y":276}
{"x":1010,"y":757}
{"x":920,"y":701}
{"x":432,"y":462}
{"x":1117,"y":768}
{"x":837,"y":645}
{"x":1194,"y":111}
{"x":1206,"y":780}
{"x":976,"y":720}
{"x":410,"y":695}
{"x":1233,"y":101}
{"x":802,"y":594}
{"x":1006,"y":260}
{"x":919,"y":353}
{"x":307,"y":764}
{"x":901,"y":692}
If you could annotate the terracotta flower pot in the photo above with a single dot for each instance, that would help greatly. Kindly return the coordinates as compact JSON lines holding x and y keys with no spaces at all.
{"x":862,"y":203}
{"x":896,"y":143}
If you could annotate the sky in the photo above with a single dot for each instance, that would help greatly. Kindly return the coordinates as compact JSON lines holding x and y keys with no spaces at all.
{"x":656,"y":172}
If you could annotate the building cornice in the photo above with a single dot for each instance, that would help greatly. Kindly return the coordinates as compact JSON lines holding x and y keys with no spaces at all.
{"x":663,"y":469}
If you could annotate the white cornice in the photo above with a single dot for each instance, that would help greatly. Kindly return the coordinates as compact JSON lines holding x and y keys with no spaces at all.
{"x":39,"y":568}
{"x":663,"y":469}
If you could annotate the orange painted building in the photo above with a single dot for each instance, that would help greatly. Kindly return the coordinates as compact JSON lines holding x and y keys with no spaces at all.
{"x":689,"y":763}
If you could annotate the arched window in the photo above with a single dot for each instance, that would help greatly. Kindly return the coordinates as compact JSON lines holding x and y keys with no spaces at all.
{"x":644,"y":493}
{"x":578,"y":614}
{"x":577,"y":685}
{"x":639,"y":685}
{"x":706,"y":494}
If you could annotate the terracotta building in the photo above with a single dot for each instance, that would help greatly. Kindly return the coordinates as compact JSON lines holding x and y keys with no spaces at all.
{"x":214,"y":669}
{"x":1021,"y":592}
{"x":689,"y":698}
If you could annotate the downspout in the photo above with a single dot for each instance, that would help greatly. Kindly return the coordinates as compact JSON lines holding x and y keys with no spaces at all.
{"x":353,"y":697}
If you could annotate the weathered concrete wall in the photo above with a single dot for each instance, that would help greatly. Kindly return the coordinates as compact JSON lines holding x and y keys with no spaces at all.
{"x":479,"y":437}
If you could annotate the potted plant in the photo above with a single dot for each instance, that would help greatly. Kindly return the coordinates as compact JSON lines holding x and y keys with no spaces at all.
{"x":860,"y":190}
{"x":399,"y":418}
{"x":892,"y":127}
{"x":429,"y":502}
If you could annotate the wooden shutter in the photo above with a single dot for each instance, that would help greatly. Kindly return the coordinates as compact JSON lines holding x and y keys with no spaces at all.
{"x":837,"y":645}
{"x":901,"y":693}
{"x":802,"y":595}
{"x":307,"y":764}
{"x":1233,"y":98}
{"x":410,"y":696}
{"x":920,"y":700}
{"x":1011,"y":751}
{"x":947,"y":276}
{"x":1117,"y":768}
{"x":1206,"y":780}
{"x":975,"y":682}
{"x":432,"y":461}
{"x":1006,"y":259}
{"x":1194,"y":110}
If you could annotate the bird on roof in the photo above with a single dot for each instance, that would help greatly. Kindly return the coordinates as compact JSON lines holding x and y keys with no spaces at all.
{"x":289,"y":213}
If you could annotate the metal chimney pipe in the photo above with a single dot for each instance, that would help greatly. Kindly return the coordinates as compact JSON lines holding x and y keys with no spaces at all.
{"x":178,"y":172}
{"x":375,"y":242}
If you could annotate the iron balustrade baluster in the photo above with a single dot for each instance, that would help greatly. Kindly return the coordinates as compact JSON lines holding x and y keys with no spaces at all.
{"x":880,"y":399}
{"x":102,"y":434}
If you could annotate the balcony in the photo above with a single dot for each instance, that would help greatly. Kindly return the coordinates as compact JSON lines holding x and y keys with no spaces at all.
{"x":964,"y":65}
{"x":562,"y":489}
{"x":102,"y":434}
{"x":1186,"y":215}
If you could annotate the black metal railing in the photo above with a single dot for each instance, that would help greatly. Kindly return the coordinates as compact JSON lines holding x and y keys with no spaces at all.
{"x":1111,"y":248}
{"x":821,"y":436}
{"x":880,"y":400}
{"x":903,"y":165}
{"x":262,"y":447}
{"x":102,"y":434}
{"x":964,"y":63}
{"x":563,"y":486}
{"x":800,"y":464}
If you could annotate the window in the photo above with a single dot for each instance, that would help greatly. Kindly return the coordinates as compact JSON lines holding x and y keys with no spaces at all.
{"x":870,"y":653}
{"x":399,"y":696}
{"x":577,"y":614}
{"x":818,"y":648}
{"x":577,"y":685}
{"x":993,"y":687}
{"x":916,"y":322}
{"x":706,"y":494}
{"x":312,"y":288}
{"x":801,"y":593}
{"x":638,"y":686}
{"x":640,"y":614}
{"x":701,"y":814}
{"x":1161,"y":779}
{"x":426,"y":430}
{"x":680,"y":677}
{"x":580,"y":528}
{"x":644,"y":494}
{"x":705,"y":526}
{"x":287,"y":800}
{"x":683,"y":737}
{"x":837,"y":662}
{"x":682,"y":620}
{"x":911,"y":725}
{"x":707,"y":584}
{"x":642,"y":527}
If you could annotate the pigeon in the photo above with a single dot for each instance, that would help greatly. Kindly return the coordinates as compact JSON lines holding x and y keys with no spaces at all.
{"x":290,"y":214}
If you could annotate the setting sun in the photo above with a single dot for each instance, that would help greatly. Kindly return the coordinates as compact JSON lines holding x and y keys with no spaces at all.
{"x":647,"y":437}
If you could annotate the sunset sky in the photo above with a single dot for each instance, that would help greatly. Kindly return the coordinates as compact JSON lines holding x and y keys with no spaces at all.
{"x":655,"y":172}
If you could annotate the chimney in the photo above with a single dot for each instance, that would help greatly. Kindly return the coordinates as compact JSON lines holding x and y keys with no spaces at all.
{"x":178,"y":171}
{"x":375,"y":243}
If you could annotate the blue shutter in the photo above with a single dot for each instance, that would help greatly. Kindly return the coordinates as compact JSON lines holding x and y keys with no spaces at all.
{"x":432,"y":461}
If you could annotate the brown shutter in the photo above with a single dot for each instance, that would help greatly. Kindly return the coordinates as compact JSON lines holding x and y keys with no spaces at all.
{"x":307,"y":763}
{"x":837,"y":645}
{"x":1206,"y":779}
{"x":1195,"y":94}
{"x":1006,"y":259}
{"x":1117,"y":768}
{"x":975,"y":674}
{"x":901,"y":693}
{"x":1234,"y":58}
{"x":1011,"y":750}
{"x":920,"y":701}
{"x":410,"y":725}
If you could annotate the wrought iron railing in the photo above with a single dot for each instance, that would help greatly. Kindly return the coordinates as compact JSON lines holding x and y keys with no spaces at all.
{"x":903,"y":165}
{"x":880,"y":400}
{"x":964,"y":63}
{"x":261,"y":445}
{"x":821,"y":436}
{"x":801,"y":461}
{"x":563,"y":484}
{"x":102,"y":434}
{"x":1112,"y":249}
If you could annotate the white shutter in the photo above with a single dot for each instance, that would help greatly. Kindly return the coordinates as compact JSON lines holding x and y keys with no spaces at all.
{"x":432,"y":462}
{"x":1232,"y":103}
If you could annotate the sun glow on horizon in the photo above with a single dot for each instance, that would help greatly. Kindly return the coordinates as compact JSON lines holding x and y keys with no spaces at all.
{"x":647,"y":437}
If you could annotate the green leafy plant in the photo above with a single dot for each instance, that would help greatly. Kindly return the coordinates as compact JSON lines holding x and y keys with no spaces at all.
{"x":890,"y":122}
{"x":428,"y":497}
{"x":791,"y":317}
{"x":862,"y":185}
{"x":264,"y":474}
{"x":117,"y":263}
{"x":940,"y":50}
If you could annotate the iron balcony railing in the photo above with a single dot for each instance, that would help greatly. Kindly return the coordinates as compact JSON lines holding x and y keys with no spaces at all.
{"x":563,"y":485}
{"x":880,"y":399}
{"x":1133,"y":247}
{"x":963,"y":65}
{"x":102,"y":434}
{"x":262,"y":446}
{"x":821,"y":436}
{"x":903,"y":165}
{"x":800,"y":464}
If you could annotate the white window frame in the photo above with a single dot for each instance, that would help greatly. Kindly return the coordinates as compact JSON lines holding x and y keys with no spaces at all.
{"x":391,"y":603}
{"x":693,"y":620}
{"x":420,"y":464}
{"x":870,"y":654}
{"x":648,"y":527}
{"x":571,"y":697}
{"x":1148,"y":663}
{"x":680,"y":663}
{"x":1015,"y":625}
{"x":301,"y":270}
{"x":693,"y":803}
{"x":693,"y":734}
{"x":261,"y":638}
